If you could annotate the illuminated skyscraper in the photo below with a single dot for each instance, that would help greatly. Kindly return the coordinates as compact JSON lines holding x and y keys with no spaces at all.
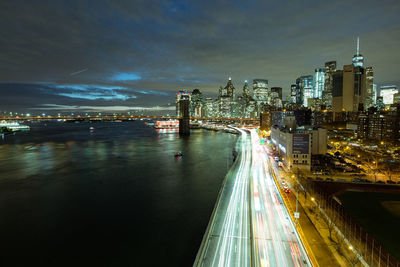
{"x":369,"y":87}
{"x":275,"y":98}
{"x":260,"y":91}
{"x":375,"y":93}
{"x":277,"y":90}
{"x":246,"y":90}
{"x":226,"y":99}
{"x":305,"y":84}
{"x":210,"y":107}
{"x":358,"y":59}
{"x":230,"y":89}
{"x":396,"y":98}
{"x":319,"y":83}
{"x":330,"y":68}
{"x":387,"y":92}
{"x":353,"y":88}
{"x":299,"y":93}
{"x":196,"y":103}
{"x":293,"y":93}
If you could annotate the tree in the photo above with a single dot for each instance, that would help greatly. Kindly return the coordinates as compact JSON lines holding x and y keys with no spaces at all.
{"x":330,"y":225}
{"x":372,"y":165}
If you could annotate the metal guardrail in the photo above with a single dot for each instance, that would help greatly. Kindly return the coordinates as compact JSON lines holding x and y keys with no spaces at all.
{"x":204,"y":243}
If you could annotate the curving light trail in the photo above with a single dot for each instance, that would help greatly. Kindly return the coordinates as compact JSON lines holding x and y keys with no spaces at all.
{"x":250,"y":225}
{"x":276,"y":242}
{"x":228,"y":240}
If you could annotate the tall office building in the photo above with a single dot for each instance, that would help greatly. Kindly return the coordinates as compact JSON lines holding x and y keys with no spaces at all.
{"x":369,"y":87}
{"x":319,"y":82}
{"x":330,"y":68}
{"x":358,"y":59}
{"x":396,"y":98}
{"x":210,"y":107}
{"x":275,"y":98}
{"x":196,"y":104}
{"x":305,"y":84}
{"x":337,"y":91}
{"x":299,"y":93}
{"x":260,"y":91}
{"x":246,"y":90}
{"x":228,"y":90}
{"x":277,"y":90}
{"x":226,"y":99}
{"x":349,"y":85}
{"x":379,"y":103}
{"x":374,"y":93}
{"x":353,"y":88}
{"x":387,"y":92}
{"x":292,"y":93}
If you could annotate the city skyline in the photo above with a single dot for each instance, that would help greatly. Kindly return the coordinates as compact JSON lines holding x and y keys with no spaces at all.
{"x":139,"y":54}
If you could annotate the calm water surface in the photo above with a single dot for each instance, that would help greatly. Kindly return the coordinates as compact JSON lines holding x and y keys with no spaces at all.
{"x":113,"y":197}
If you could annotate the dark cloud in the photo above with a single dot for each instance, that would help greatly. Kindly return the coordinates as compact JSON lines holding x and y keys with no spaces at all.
{"x":169,"y":45}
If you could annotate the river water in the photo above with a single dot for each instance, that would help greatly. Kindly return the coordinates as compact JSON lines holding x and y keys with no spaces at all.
{"x":114,"y":196}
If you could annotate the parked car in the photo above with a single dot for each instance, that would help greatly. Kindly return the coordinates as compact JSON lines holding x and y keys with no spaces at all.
{"x":390,"y":182}
{"x":380,"y":182}
{"x":329,"y":179}
{"x":319,"y":179}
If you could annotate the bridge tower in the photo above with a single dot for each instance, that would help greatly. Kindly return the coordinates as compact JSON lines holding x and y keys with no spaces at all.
{"x":184,"y":121}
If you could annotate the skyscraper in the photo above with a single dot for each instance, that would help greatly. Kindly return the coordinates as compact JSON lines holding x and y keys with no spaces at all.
{"x":277,"y":90}
{"x":260,"y":91}
{"x":246,"y":90}
{"x":375,"y":93}
{"x":306,"y":88}
{"x":330,"y":68}
{"x":358,"y":59}
{"x":319,"y":82}
{"x":350,"y":96}
{"x":353,"y":88}
{"x":337,"y":91}
{"x":369,"y":87}
{"x":299,"y":93}
{"x":226,"y":99}
{"x":387,"y":92}
{"x":196,"y":103}
{"x":230,"y":89}
{"x":293,"y":93}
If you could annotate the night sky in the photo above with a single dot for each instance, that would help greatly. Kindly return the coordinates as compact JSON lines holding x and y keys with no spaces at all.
{"x":115,"y":55}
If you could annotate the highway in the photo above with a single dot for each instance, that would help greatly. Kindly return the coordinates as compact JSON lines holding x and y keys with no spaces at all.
{"x":227,"y":241}
{"x":276,"y":242}
{"x":250,"y":225}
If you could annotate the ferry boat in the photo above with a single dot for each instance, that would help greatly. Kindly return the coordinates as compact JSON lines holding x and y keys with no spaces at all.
{"x":14,"y":126}
{"x":167,"y":124}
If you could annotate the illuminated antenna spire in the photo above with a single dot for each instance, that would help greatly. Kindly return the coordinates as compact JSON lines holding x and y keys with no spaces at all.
{"x":358,"y":46}
{"x":230,"y":78}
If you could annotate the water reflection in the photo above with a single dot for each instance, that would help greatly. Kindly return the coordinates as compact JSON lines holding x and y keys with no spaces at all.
{"x":64,"y":190}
